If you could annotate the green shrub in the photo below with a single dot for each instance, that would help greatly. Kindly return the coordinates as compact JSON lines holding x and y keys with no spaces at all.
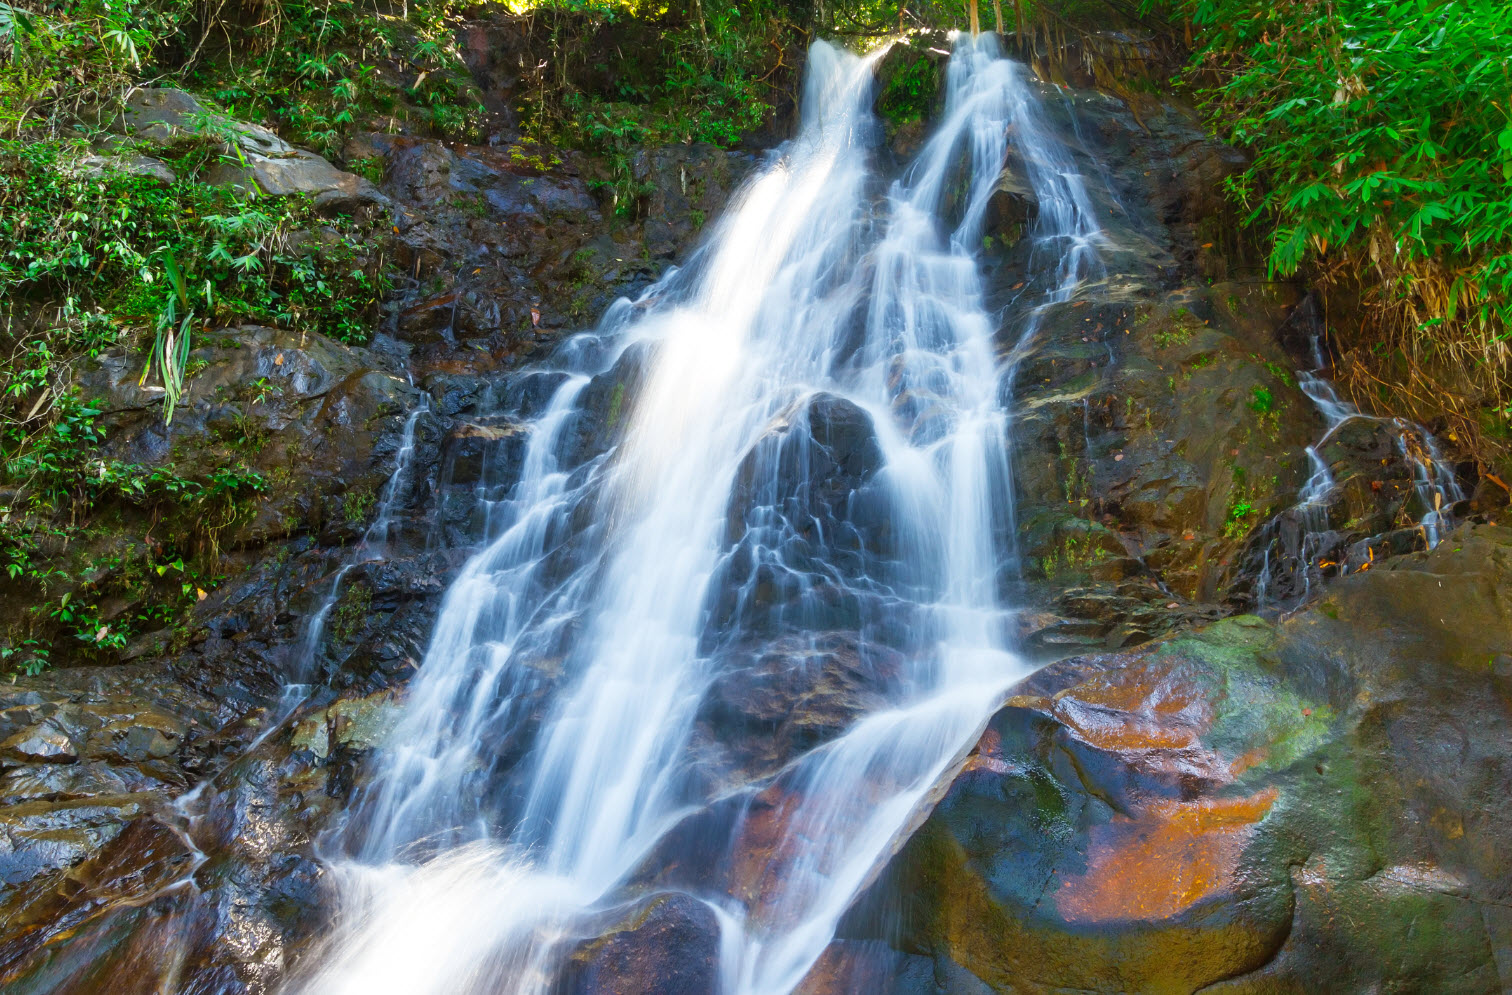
{"x":910,"y":91}
{"x":58,"y":485}
{"x":1382,"y":139}
{"x":112,"y":255}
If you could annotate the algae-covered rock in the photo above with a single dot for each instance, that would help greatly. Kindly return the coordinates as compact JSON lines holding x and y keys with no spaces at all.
{"x":1314,"y":804}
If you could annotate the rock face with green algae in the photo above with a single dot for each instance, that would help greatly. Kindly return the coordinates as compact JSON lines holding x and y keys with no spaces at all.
{"x":1314,"y":804}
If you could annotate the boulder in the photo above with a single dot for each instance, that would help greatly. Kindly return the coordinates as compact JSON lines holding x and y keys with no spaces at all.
{"x":815,"y":473}
{"x":668,"y":944}
{"x":166,"y":117}
{"x":129,"y":164}
{"x":1165,"y":432}
{"x":806,"y":471}
{"x":1303,"y":805}
{"x":300,"y":172}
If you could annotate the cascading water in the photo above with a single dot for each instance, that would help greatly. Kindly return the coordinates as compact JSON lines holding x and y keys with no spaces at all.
{"x":373,"y":546}
{"x":817,"y":450}
{"x":1299,"y":541}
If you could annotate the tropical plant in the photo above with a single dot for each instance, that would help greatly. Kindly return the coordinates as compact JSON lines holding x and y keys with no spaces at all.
{"x":1381,"y":132}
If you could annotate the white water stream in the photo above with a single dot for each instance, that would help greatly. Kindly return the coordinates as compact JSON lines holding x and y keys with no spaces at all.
{"x":591,"y":627}
{"x":1433,"y":480}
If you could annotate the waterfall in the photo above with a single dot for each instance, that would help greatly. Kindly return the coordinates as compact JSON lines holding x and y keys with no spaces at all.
{"x":815,"y":451}
{"x":1433,"y":481}
{"x":372,"y":547}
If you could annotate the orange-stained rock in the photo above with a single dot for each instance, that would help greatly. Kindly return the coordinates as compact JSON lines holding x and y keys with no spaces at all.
{"x":1149,"y":705}
{"x":1164,"y":862}
{"x":1315,"y":803}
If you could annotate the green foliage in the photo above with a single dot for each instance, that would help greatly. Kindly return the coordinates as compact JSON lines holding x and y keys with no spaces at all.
{"x":319,"y":69}
{"x":1247,"y":500}
{"x":1237,"y":524}
{"x":62,"y":54}
{"x":1382,"y":140}
{"x":356,"y":505}
{"x":57,"y":484}
{"x":910,"y":91}
{"x":352,"y":612}
{"x":112,"y":254}
{"x":1263,"y":401}
{"x":314,"y":68}
{"x":705,"y":79}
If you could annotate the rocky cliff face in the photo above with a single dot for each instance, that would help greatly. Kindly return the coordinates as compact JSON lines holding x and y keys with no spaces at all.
{"x":1175,"y":802}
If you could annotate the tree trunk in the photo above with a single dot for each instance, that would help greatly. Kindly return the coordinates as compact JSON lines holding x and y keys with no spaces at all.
{"x":976,"y":24}
{"x":997,"y":15}
{"x":703,"y":29}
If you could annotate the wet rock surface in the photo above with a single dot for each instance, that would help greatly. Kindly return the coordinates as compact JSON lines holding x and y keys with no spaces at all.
{"x":1254,"y":806}
{"x":1159,"y":420}
{"x":773,"y":702}
{"x":669,"y":943}
{"x":159,"y":890}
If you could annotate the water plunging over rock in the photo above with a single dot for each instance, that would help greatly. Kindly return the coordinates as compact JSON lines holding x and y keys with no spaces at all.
{"x":733,"y":583}
{"x":1375,"y":486}
{"x":776,"y":477}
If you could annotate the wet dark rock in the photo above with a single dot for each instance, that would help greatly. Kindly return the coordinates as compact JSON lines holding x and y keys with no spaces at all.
{"x":807,"y":470}
{"x":508,"y":248}
{"x":270,"y":399}
{"x":603,"y":409}
{"x":483,"y":455}
{"x":772,"y":702}
{"x":810,"y":476}
{"x":1281,"y":802}
{"x":49,"y":740}
{"x":83,"y":869}
{"x":688,"y":186}
{"x":668,"y":943}
{"x":93,"y":751}
{"x":1171,"y":430}
{"x":1372,"y":512}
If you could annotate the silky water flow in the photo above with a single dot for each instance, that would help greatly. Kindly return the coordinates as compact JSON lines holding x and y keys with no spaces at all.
{"x":832,"y":328}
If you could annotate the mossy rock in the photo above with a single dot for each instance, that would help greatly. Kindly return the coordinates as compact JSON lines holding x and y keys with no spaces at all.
{"x":1315,"y":804}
